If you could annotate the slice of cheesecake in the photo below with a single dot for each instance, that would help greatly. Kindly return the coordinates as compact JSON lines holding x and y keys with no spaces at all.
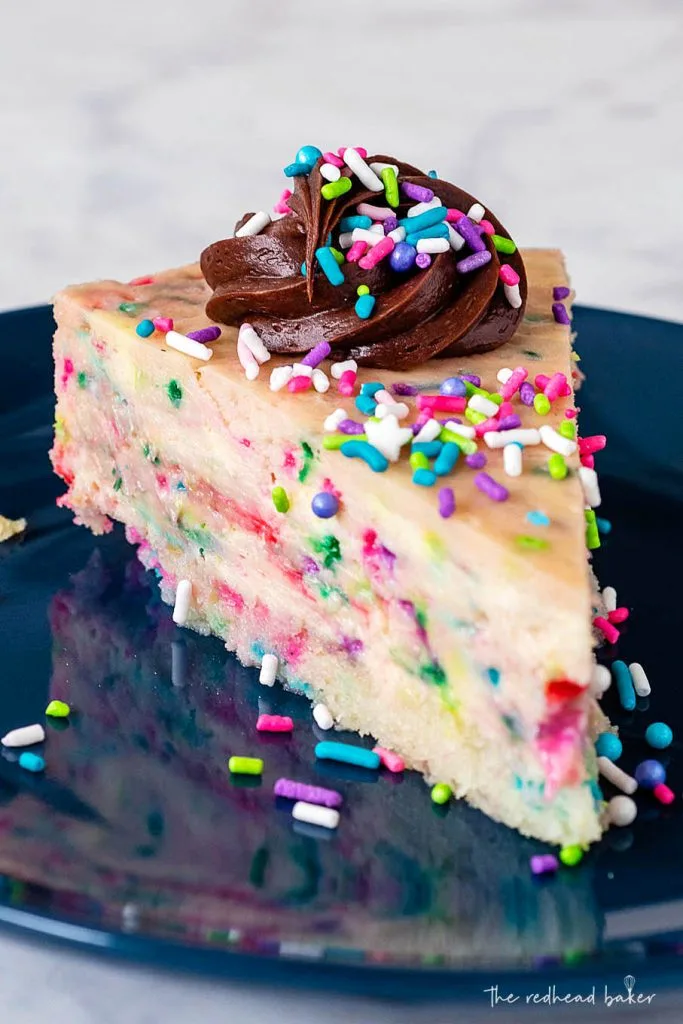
{"x":460,"y":639}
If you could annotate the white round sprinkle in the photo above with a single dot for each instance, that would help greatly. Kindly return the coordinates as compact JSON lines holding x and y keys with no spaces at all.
{"x":329,"y":172}
{"x":512,"y":459}
{"x":269,"y":664}
{"x":315,"y":814}
{"x":499,"y":438}
{"x":338,"y":368}
{"x":616,"y":776}
{"x":334,"y":419}
{"x":26,"y":736}
{"x":183,"y":597}
{"x":280,"y":377}
{"x":433,"y":245}
{"x":254,"y":225}
{"x":250,"y":338}
{"x":323,"y":717}
{"x":609,"y":599}
{"x":419,"y":208}
{"x":513,"y":295}
{"x":641,"y":684}
{"x":455,"y":239}
{"x":429,"y":432}
{"x":321,"y":382}
{"x":600,"y":681}
{"x":355,"y":163}
{"x":478,"y":403}
{"x":622,"y":811}
{"x":188,"y":346}
{"x":556,"y":442}
{"x":476,"y":212}
{"x":589,"y":482}
{"x":504,"y":374}
{"x":301,"y":370}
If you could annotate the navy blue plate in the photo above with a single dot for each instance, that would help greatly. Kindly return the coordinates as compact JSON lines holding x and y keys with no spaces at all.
{"x":136,"y":842}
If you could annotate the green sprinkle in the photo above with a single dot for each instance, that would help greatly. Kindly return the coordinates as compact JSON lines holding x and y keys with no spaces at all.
{"x":82,"y":379}
{"x":118,"y":483}
{"x":328,"y":547}
{"x":503,"y":244}
{"x":333,"y":442}
{"x":557,"y":467}
{"x":541,"y":404}
{"x":472,"y":389}
{"x":390,"y":181}
{"x":465,"y":444}
{"x":307,"y":456}
{"x":441,"y":793}
{"x":174,"y":392}
{"x":58,"y":709}
{"x":334,"y":189}
{"x":280,"y":499}
{"x":362,"y":289}
{"x":474,"y":417}
{"x":592,"y":533}
{"x":494,"y":397}
{"x":529,"y":352}
{"x":568,"y":429}
{"x":418,"y":460}
{"x":339,"y":256}
{"x":532,"y":543}
{"x":571,"y":855}
{"x":245,"y":765}
{"x":433,"y":673}
{"x":130,"y":308}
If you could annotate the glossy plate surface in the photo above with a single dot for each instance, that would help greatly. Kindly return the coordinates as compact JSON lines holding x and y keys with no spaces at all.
{"x":136,"y":842}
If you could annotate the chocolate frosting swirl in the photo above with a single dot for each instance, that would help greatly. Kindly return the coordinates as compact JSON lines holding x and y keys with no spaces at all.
{"x":418,"y":314}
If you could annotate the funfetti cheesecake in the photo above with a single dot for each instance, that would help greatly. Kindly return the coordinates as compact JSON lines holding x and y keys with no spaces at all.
{"x":346,"y":442}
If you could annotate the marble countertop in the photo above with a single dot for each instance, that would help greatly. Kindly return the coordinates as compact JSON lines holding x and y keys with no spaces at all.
{"x":133,"y":135}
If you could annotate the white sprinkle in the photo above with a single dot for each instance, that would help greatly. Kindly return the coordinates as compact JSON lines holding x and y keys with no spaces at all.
{"x":513,"y":295}
{"x":254,"y":225}
{"x":250,"y":338}
{"x":305,"y":950}
{"x":355,"y":163}
{"x":178,"y":663}
{"x":609,"y":599}
{"x":301,"y":370}
{"x":455,"y":240}
{"x":323,"y":717}
{"x":419,"y":208}
{"x":130,"y":917}
{"x":462,"y":429}
{"x":616,"y":776}
{"x":188,"y":346}
{"x":367,"y":235}
{"x":269,"y":664}
{"x":378,"y":167}
{"x":398,"y":235}
{"x":512,"y":459}
{"x":429,"y":432}
{"x":377,"y":229}
{"x":499,"y":438}
{"x":26,"y":736}
{"x":433,"y":245}
{"x":315,"y":814}
{"x":338,"y":368}
{"x":346,"y":240}
{"x":248,"y":360}
{"x":601,"y":680}
{"x":375,"y":212}
{"x":321,"y":382}
{"x":329,"y":172}
{"x":641,"y":684}
{"x":334,"y":419}
{"x":386,"y":403}
{"x":622,"y":811}
{"x":485,"y":406}
{"x":556,"y":442}
{"x":280,"y":377}
{"x":183,"y":597}
{"x":589,"y":482}
{"x":476,"y":212}
{"x":504,"y":374}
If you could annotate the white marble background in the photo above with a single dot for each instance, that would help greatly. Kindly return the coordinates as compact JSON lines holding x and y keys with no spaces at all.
{"x":133,"y":134}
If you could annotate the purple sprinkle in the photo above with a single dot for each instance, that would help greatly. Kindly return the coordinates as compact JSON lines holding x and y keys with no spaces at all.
{"x":544,"y":863}
{"x":510,"y":422}
{"x":417,"y":192}
{"x":317,"y":354}
{"x":476,"y":461}
{"x":390,"y":224}
{"x":205,"y":334}
{"x":311,"y":794}
{"x":423,"y":260}
{"x":491,"y":488}
{"x":446,"y":502}
{"x":310,"y":566}
{"x":453,"y":387}
{"x":350,"y":427}
{"x":404,"y":390}
{"x":466,"y":228}
{"x":419,"y":423}
{"x":560,"y":313}
{"x":561,"y":292}
{"x":473,"y":262}
{"x":527,"y":393}
{"x":352,"y":645}
{"x":473,"y":378}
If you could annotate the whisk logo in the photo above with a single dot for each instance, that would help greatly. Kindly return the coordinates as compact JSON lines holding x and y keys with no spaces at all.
{"x":554,"y":995}
{"x":618,"y":999}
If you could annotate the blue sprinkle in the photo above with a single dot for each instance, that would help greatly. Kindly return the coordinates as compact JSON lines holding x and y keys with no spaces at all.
{"x":364,"y":306}
{"x":435,"y":231}
{"x":659,"y":735}
{"x":649,"y":774}
{"x":325,"y":505}
{"x":435,"y":215}
{"x":303,"y":269}
{"x":447,"y":458}
{"x":347,"y":754}
{"x":308,"y":155}
{"x":494,"y":676}
{"x":622,"y":677}
{"x":371,"y":387}
{"x":603,"y":525}
{"x":432,"y":174}
{"x":608,"y":745}
{"x":296,"y":169}
{"x":365,"y":404}
{"x":453,"y":387}
{"x":329,"y":266}
{"x":424,"y":477}
{"x":145,"y":328}
{"x":537,"y":518}
{"x":367,"y":452}
{"x":31,"y":762}
{"x":349,"y":223}
{"x":429,"y":448}
{"x":596,"y":792}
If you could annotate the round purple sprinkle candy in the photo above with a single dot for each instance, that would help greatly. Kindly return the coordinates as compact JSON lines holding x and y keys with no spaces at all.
{"x":650,"y":773}
{"x":402,"y":257}
{"x":350,"y":427}
{"x":317,"y":354}
{"x":527,"y":393}
{"x":476,"y":461}
{"x":325,"y":505}
{"x":311,"y":794}
{"x":205,"y":334}
{"x":390,"y":224}
{"x":473,"y":378}
{"x":423,"y":260}
{"x":491,"y":488}
{"x":473,"y":262}
{"x":453,"y":387}
{"x":560,"y":313}
{"x":446,"y":502}
{"x":510,"y":422}
{"x":560,"y":292}
{"x":544,"y":864}
{"x":466,"y":228}
{"x":417,"y":192}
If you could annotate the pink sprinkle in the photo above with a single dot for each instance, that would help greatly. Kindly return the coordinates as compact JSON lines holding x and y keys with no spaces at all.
{"x":137,"y":281}
{"x":508,"y":275}
{"x":588,"y":461}
{"x":555,"y":386}
{"x":394,"y":762}
{"x":663,"y":793}
{"x":332,"y":158}
{"x":453,"y":216}
{"x":274,"y":723}
{"x":358,"y":149}
{"x":506,"y":409}
{"x":163,"y":324}
{"x":377,"y":253}
{"x":301,"y":383}
{"x":610,"y":634}
{"x":618,"y":615}
{"x":512,"y":386}
{"x":68,"y":370}
{"x":441,"y":403}
{"x":347,"y":382}
{"x":483,"y":428}
{"x":590,"y":445}
{"x":374,"y":212}
{"x":357,"y":250}
{"x":570,"y":413}
{"x":486,"y":225}
{"x":281,"y":205}
{"x":540,"y":380}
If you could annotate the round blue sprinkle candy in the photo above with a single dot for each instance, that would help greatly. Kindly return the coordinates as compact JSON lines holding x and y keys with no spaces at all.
{"x":145,"y":328}
{"x":604,"y":525}
{"x":650,"y":773}
{"x":364,"y":306}
{"x":325,"y":505}
{"x":308,"y":155}
{"x":608,"y":745}
{"x":402,"y":257}
{"x":454,"y":387}
{"x":659,"y":735}
{"x":31,"y":762}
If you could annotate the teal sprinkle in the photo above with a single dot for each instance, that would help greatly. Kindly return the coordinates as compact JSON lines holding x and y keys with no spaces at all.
{"x":424,"y":477}
{"x":367,"y":452}
{"x":537,"y":518}
{"x":595,"y":790}
{"x":604,"y":525}
{"x":145,"y":328}
{"x":130,"y":308}
{"x":447,"y":459}
{"x":432,"y":174}
{"x":494,"y":676}
{"x":365,"y":404}
{"x":180,"y":486}
{"x":371,"y":387}
{"x":303,"y":269}
{"x":257,"y":650}
{"x":429,"y":448}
